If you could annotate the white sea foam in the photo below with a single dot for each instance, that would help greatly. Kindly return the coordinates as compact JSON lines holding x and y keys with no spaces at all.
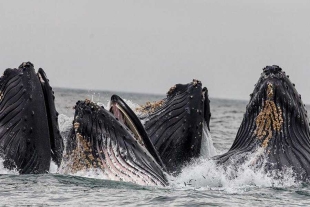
{"x":53,"y":167}
{"x":90,"y":173}
{"x":204,"y":173}
{"x":5,"y":170}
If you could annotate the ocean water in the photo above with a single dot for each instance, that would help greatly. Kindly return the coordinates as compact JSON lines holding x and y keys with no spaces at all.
{"x":200,"y":184}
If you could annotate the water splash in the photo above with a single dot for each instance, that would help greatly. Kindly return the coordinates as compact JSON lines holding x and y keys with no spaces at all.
{"x":65,"y":124}
{"x":206,"y":174}
{"x":131,"y":104}
{"x":5,"y":170}
{"x":53,"y":167}
{"x":91,"y":173}
{"x":207,"y":148}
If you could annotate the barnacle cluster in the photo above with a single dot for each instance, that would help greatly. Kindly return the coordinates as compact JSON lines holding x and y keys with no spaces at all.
{"x":150,"y":107}
{"x":195,"y":82}
{"x":81,"y":157}
{"x":171,"y":90}
{"x":269,"y":120}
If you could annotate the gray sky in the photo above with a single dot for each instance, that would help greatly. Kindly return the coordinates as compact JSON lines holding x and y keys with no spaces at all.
{"x":148,"y":46}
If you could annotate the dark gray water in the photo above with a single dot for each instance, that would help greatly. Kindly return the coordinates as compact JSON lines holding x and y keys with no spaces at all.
{"x":200,"y":184}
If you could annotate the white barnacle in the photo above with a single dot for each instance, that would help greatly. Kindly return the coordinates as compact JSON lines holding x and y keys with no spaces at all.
{"x":76,"y":125}
{"x":1,"y":95}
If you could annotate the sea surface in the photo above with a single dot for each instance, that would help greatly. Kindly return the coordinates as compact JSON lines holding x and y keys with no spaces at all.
{"x":200,"y":183}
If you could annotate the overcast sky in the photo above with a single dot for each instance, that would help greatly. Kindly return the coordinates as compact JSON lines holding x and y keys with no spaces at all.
{"x":149,"y":45}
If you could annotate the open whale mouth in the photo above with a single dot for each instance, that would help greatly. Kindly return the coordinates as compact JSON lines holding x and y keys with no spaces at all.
{"x":125,"y":115}
{"x":275,"y":121}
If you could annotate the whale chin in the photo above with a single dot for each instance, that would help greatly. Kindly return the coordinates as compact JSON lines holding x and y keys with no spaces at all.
{"x":275,"y":121}
{"x":99,"y":140}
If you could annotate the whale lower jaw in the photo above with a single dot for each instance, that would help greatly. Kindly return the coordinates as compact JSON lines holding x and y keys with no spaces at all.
{"x":111,"y":166}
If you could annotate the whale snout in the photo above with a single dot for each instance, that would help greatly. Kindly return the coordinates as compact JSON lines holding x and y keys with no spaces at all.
{"x":274,"y":69}
{"x":26,"y":65}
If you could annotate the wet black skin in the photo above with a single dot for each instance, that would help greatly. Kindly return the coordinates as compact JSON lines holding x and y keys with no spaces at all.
{"x":175,"y":127}
{"x":138,"y":125}
{"x":103,"y":132}
{"x":57,"y":145}
{"x":288,"y":147}
{"x":29,"y":135}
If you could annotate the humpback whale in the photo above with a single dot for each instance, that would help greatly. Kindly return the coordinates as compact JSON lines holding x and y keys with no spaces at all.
{"x":99,"y":140}
{"x":275,"y":128}
{"x":29,"y":132}
{"x":175,"y":124}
